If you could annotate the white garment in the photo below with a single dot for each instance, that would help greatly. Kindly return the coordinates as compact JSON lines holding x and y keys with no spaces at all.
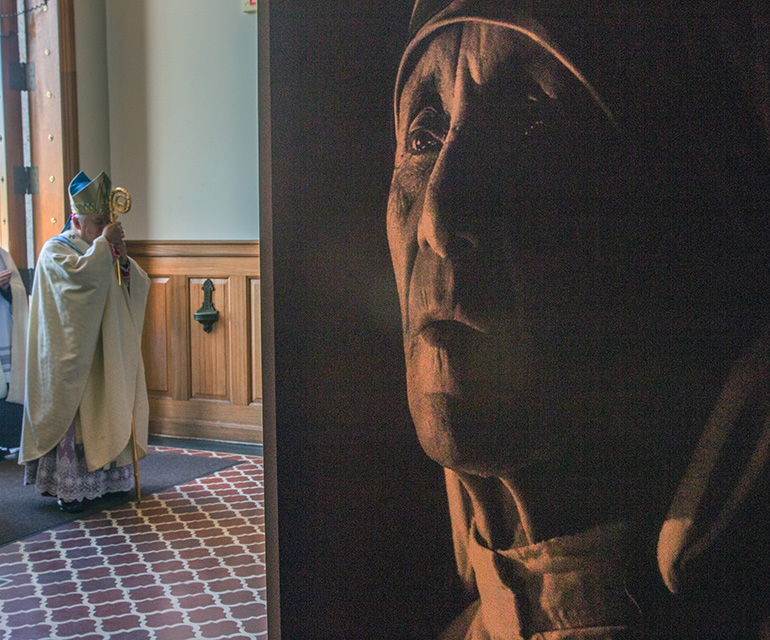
{"x":84,"y":354}
{"x":14,"y":316}
{"x":569,"y":588}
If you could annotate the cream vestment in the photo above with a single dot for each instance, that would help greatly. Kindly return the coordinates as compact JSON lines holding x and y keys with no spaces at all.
{"x":84,"y":354}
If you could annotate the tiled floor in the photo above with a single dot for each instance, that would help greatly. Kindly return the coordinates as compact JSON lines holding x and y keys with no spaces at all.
{"x":186,"y":565}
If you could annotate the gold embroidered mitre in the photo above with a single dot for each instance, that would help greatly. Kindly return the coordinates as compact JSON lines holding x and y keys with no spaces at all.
{"x":90,"y":197}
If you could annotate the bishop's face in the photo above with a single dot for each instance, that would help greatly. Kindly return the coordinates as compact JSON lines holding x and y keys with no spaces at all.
{"x":90,"y":227}
{"x":514,"y":306}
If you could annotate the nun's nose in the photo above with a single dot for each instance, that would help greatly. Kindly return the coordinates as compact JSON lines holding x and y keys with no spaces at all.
{"x":446,"y":222}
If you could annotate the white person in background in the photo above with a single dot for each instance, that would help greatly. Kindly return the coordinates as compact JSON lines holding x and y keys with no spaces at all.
{"x":14,"y":315}
{"x":85,"y":376}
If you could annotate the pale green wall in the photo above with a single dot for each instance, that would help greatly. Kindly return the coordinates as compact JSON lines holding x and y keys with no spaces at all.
{"x":93,"y":102}
{"x":172,"y":112}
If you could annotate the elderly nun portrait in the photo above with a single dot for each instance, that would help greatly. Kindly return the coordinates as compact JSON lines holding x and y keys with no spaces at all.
{"x":579,"y":225}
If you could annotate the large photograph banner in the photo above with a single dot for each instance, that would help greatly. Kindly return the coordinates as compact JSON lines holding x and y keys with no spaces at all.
{"x":521,"y":271}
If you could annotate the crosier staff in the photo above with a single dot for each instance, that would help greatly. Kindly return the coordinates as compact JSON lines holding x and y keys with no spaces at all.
{"x":120,"y":202}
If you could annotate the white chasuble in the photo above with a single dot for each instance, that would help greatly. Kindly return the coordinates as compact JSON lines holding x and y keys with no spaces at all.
{"x":84,"y":358}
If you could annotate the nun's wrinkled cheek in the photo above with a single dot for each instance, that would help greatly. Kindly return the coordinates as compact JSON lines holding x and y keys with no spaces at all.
{"x":401,"y":199}
{"x":406,"y":192}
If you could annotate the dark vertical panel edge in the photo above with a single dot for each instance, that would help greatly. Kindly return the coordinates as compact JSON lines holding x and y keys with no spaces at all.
{"x":268,"y":330}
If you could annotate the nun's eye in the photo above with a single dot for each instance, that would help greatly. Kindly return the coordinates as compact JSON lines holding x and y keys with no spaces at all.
{"x":422,"y":141}
{"x":426,"y":133}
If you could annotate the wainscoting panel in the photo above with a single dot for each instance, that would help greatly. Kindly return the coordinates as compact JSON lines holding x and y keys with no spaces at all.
{"x":203,"y":384}
{"x":210,"y":373}
{"x":256,"y":340}
{"x":156,"y":338}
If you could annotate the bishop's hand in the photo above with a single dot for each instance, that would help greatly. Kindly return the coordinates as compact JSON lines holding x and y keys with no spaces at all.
{"x":115,"y":234}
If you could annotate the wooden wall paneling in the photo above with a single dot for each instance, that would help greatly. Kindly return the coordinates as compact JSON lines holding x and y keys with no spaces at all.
{"x":210,"y":358}
{"x":247,"y":251}
{"x":213,"y":390}
{"x":180,"y":338}
{"x":240,"y":342}
{"x":204,"y":267}
{"x":255,"y":303}
{"x":206,"y":419}
{"x":156,"y":337}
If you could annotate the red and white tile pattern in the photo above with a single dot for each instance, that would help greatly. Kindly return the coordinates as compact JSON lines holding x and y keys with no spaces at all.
{"x":188,"y":564}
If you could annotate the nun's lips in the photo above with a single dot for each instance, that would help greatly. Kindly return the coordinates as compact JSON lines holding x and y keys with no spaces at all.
{"x":448,"y":330}
{"x":443,"y":333}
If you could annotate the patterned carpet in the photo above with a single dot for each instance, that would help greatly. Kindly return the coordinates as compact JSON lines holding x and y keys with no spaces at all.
{"x":187,"y":564}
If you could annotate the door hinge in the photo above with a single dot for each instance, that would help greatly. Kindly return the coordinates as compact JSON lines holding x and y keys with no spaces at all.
{"x":21,"y":76}
{"x":25,"y":180}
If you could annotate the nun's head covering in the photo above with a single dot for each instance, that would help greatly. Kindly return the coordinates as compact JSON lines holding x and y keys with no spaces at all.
{"x":431,"y":16}
{"x":674,"y":77}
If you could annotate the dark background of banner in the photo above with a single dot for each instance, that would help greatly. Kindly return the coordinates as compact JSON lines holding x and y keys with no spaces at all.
{"x":365,"y":542}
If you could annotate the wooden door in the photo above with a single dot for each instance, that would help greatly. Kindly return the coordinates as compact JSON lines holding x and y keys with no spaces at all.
{"x":39,"y":132}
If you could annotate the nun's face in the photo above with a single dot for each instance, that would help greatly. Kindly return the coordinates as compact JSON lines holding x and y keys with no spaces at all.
{"x":511,"y":263}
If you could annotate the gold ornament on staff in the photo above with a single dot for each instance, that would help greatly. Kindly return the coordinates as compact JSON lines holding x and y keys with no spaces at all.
{"x":120,"y":202}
